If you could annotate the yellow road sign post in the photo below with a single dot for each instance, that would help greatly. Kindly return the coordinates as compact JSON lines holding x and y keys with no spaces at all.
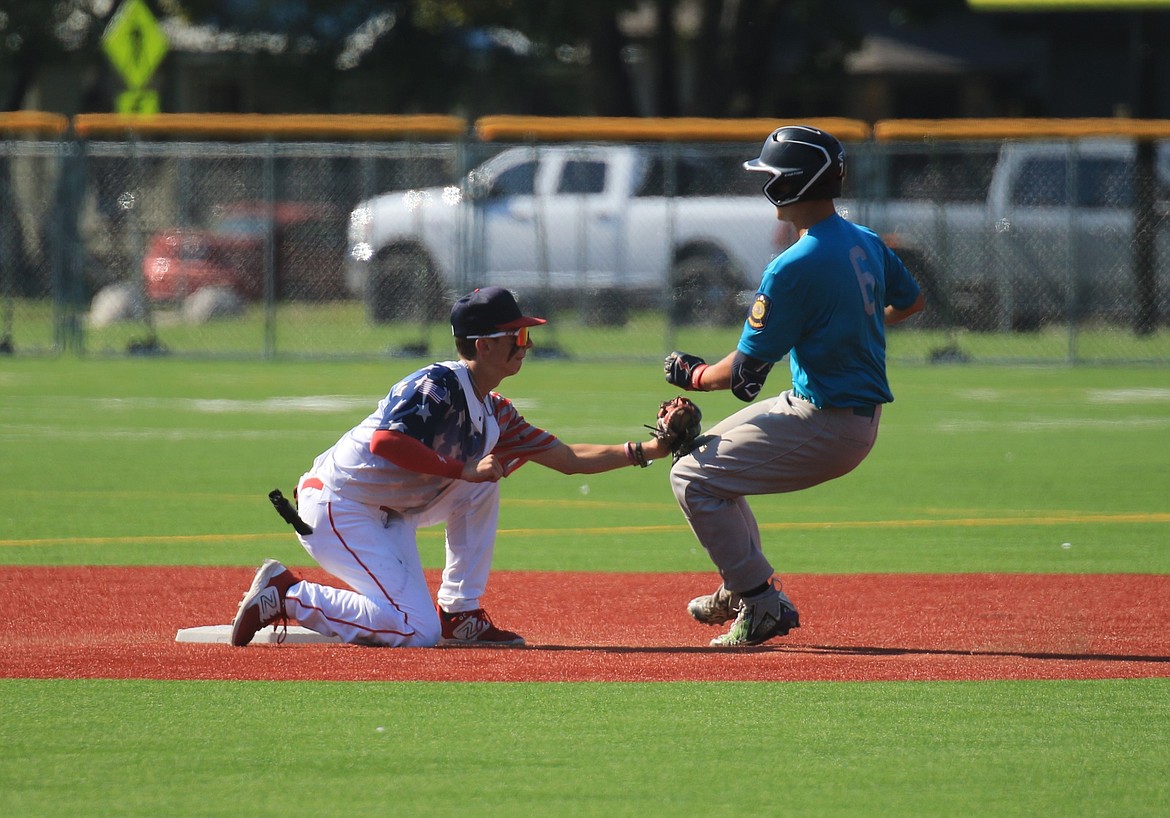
{"x":138,"y":101}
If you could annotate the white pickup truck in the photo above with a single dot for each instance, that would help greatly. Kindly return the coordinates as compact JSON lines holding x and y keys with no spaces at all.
{"x":612,"y":226}
{"x":1047,"y":234}
{"x":1052,"y":237}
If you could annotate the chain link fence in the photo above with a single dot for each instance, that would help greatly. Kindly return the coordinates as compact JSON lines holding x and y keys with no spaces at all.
{"x":1028,"y":249}
{"x":1049,"y":250}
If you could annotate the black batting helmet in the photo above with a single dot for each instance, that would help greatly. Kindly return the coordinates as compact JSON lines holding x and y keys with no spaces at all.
{"x":803,"y":162}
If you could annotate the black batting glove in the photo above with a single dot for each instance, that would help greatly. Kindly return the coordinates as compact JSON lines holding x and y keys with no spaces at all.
{"x":680,"y":369}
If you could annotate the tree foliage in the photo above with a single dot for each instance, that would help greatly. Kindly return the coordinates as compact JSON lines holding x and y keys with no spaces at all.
{"x":673,"y":57}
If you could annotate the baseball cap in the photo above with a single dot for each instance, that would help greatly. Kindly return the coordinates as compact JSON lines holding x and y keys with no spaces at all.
{"x":488,"y":310}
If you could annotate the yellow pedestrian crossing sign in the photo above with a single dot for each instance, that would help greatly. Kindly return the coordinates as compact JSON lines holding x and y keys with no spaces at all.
{"x":135,"y":43}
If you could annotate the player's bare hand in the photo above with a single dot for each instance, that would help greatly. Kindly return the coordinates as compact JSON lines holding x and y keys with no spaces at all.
{"x":656,"y":448}
{"x":487,"y":470}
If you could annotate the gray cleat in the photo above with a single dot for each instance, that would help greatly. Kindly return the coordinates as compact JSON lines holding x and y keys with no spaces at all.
{"x":715,"y":609}
{"x":761,"y":618}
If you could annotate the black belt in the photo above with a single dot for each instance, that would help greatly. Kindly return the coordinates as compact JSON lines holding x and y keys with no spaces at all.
{"x":866,"y":411}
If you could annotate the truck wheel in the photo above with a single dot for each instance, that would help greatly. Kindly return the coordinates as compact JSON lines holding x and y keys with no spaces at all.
{"x":976,"y":306}
{"x":940,"y":311}
{"x":1030,"y":306}
{"x":606,"y":308}
{"x":704,"y":290}
{"x":404,"y":286}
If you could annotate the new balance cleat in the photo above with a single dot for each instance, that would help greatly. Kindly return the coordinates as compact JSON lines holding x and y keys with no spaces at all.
{"x":475,"y":629}
{"x":760,"y":618}
{"x":263,"y":603}
{"x":715,"y":609}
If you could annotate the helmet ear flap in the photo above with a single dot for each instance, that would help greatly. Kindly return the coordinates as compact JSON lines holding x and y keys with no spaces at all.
{"x":779,"y":190}
{"x":803,"y":162}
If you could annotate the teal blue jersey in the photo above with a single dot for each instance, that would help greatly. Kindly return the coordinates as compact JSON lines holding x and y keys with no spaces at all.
{"x":822,"y":302}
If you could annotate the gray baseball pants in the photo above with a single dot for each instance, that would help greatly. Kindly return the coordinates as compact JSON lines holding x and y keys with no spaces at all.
{"x":770,"y":447}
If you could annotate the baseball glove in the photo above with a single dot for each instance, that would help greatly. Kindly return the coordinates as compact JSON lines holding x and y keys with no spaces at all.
{"x":679,"y":423}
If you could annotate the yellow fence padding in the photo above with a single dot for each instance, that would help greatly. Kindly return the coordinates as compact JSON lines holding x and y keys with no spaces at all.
{"x":1009,"y":128}
{"x":504,"y":128}
{"x":651,"y":129}
{"x":33,"y":122}
{"x":273,"y":126}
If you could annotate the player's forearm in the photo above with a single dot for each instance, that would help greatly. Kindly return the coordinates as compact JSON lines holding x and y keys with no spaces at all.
{"x":894,"y":315}
{"x":716,"y":376}
{"x":595,"y":458}
{"x":588,"y":458}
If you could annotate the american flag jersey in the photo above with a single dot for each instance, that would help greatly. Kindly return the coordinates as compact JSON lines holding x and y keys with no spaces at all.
{"x":437,"y":406}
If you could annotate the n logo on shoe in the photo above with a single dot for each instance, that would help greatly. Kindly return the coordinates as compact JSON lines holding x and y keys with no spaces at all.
{"x":268,"y":604}
{"x":470,"y":628}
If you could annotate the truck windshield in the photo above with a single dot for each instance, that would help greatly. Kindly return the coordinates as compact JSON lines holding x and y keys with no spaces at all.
{"x":581,"y":176}
{"x":515,"y":181}
{"x":1050,"y":182}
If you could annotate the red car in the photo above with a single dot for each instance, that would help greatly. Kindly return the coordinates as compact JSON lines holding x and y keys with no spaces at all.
{"x":308,"y":241}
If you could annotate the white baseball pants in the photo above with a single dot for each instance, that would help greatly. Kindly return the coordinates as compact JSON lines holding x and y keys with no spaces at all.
{"x":375,"y":552}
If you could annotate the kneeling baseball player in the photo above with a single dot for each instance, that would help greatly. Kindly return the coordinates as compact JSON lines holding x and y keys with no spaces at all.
{"x":434,"y":450}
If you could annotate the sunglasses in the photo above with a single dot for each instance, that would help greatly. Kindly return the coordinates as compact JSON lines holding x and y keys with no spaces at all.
{"x":521,"y":336}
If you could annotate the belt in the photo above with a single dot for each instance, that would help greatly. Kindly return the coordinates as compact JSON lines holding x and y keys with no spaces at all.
{"x":313,"y":483}
{"x":866,"y":411}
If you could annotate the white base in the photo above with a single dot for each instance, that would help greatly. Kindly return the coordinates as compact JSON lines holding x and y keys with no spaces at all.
{"x":222,"y":635}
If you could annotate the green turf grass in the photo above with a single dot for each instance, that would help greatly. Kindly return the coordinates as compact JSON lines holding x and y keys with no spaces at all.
{"x":977,"y":468}
{"x":341,"y":328}
{"x":147,"y":461}
{"x":135,"y":748}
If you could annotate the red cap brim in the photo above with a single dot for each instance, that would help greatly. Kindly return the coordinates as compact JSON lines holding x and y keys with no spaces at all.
{"x":522,"y":321}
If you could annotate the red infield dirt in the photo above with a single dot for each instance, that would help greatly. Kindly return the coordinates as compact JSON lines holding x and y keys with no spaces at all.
{"x":120,"y":623}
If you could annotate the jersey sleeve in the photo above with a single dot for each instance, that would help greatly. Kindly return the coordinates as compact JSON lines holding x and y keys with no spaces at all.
{"x":776,"y":320}
{"x":519,"y":439}
{"x":404,"y":451}
{"x":419,"y":404}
